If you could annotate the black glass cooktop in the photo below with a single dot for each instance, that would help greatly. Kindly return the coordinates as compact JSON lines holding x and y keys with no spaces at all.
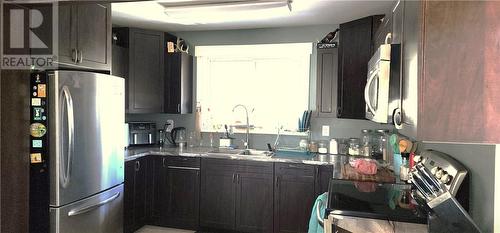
{"x":385,"y":201}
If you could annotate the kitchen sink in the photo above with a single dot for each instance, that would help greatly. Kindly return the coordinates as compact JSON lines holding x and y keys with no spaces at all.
{"x":239,"y":152}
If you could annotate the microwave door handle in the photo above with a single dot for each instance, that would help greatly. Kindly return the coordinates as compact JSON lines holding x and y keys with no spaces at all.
{"x":367,"y":89}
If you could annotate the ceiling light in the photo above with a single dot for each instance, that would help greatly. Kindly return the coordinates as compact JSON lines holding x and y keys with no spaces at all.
{"x":233,"y":5}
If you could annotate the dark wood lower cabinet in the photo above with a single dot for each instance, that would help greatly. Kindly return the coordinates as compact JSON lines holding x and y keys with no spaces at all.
{"x":136,"y":194}
{"x":217,"y":202}
{"x":128,"y":197}
{"x":293,"y":197}
{"x":254,"y":202}
{"x":221,"y":194}
{"x":182,"y":197}
{"x":323,"y":175}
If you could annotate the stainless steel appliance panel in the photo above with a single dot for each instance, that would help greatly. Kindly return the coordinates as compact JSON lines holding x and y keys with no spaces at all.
{"x":101,"y":213}
{"x":86,"y":143}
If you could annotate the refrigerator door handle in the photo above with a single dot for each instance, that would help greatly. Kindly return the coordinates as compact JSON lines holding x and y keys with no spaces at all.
{"x":86,"y":209}
{"x":66,"y":156}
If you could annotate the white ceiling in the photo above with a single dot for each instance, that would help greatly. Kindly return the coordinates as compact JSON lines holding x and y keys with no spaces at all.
{"x":152,"y":15}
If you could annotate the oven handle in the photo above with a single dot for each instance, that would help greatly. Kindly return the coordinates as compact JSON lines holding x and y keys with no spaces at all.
{"x":373,"y":74}
{"x":318,"y":213}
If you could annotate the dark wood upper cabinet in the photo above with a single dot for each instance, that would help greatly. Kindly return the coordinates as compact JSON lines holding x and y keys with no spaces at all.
{"x":146,"y":75}
{"x":85,"y":36}
{"x":450,"y":81}
{"x":294,"y":196}
{"x":355,"y":49}
{"x":179,"y":83}
{"x":144,"y":69}
{"x":157,"y":81}
{"x":326,"y":82}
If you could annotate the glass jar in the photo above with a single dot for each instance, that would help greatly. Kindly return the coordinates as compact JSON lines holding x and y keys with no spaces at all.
{"x":322,"y":147}
{"x":380,"y":147}
{"x":366,"y":142}
{"x":313,"y":147}
{"x":304,"y":144}
{"x":354,"y":148}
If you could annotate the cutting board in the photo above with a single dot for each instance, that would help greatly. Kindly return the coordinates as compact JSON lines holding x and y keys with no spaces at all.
{"x":383,"y":175}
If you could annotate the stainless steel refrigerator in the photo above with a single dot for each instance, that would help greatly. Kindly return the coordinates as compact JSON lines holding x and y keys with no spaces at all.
{"x":82,"y":144}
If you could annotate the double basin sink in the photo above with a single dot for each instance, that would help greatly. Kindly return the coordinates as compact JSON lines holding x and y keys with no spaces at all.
{"x":238,"y":153}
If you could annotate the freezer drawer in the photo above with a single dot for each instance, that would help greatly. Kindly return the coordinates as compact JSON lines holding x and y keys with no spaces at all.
{"x":101,"y":213}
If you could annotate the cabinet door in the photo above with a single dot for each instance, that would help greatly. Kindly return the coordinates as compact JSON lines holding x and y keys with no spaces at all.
{"x":146,"y":74}
{"x":179,"y":83}
{"x":355,"y":49}
{"x":323,"y":175}
{"x":67,"y":34}
{"x":140,"y":192}
{"x":217,"y":203}
{"x":160,"y":191}
{"x":128,"y":199}
{"x":183,"y":193}
{"x":327,"y":82}
{"x":293,"y":197}
{"x":94,"y":35}
{"x":254,"y":202}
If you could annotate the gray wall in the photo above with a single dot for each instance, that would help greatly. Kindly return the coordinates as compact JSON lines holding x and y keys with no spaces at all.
{"x":339,"y":128}
{"x":480,"y":160}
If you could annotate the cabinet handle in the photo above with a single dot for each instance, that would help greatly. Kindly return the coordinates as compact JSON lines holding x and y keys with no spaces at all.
{"x":137,"y":166}
{"x":74,"y":55}
{"x":81,"y":57}
{"x":178,"y":108}
{"x":237,"y":178}
{"x":163,"y":162}
{"x":277,"y":181}
{"x":234,"y":177}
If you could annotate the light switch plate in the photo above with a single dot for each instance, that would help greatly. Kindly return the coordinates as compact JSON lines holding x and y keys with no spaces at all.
{"x":325,"y":131}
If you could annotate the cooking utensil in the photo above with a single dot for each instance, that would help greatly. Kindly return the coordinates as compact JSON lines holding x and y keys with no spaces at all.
{"x":393,"y":140}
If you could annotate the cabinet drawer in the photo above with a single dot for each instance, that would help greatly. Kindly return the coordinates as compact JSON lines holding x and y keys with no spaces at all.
{"x":181,"y":161}
{"x":294,"y":169}
{"x":255,"y":167}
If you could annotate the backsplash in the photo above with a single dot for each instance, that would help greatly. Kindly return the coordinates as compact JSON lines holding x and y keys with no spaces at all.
{"x":339,"y":128}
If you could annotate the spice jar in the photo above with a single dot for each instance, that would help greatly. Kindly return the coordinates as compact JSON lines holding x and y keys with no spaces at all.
{"x":313,"y":147}
{"x":354,"y":148}
{"x":366,"y":142}
{"x":322,"y":147}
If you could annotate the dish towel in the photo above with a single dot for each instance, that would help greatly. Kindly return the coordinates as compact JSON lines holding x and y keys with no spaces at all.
{"x":314,"y":225}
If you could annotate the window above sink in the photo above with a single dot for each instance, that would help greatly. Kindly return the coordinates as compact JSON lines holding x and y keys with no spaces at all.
{"x":272,"y":80}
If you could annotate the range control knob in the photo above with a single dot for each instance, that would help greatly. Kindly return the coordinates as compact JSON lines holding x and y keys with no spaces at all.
{"x":417,"y":158}
{"x":446,"y":179}
{"x":440,"y":172}
{"x":434,"y":170}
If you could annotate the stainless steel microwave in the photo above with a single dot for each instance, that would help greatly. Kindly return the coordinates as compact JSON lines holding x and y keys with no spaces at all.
{"x":383,"y":91}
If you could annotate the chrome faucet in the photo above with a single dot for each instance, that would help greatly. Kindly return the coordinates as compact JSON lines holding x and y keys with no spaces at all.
{"x":246,"y":143}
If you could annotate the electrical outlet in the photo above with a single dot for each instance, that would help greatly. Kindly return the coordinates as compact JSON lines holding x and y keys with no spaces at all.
{"x":325,"y":131}
{"x":170,"y":125}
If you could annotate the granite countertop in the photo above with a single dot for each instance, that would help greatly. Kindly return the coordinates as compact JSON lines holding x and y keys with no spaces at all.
{"x":135,"y":152}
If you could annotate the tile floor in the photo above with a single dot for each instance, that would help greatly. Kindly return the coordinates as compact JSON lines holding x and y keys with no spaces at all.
{"x":155,"y":229}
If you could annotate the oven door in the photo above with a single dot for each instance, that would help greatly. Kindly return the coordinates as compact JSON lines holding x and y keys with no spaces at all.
{"x":343,"y":224}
